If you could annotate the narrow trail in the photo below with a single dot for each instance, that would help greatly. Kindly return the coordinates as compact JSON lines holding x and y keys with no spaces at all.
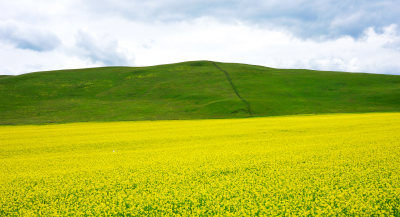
{"x":228,"y":77}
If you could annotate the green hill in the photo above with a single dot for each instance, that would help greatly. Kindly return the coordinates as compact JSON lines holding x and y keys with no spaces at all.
{"x":189,"y":90}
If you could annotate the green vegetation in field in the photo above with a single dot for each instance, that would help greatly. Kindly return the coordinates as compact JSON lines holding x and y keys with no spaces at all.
{"x":327,"y":165}
{"x":190,"y":90}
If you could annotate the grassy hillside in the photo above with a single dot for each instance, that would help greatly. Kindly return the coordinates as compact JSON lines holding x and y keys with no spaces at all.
{"x":189,"y":90}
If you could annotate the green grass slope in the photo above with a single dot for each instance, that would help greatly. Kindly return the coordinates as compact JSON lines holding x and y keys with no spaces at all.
{"x":189,"y":90}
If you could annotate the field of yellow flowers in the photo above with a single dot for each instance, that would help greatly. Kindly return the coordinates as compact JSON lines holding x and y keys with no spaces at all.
{"x":343,"y":164}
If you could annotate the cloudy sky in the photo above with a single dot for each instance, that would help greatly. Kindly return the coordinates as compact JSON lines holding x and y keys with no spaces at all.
{"x":352,"y":35}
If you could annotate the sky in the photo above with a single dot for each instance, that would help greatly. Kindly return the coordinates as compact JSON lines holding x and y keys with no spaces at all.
{"x":351,"y":35}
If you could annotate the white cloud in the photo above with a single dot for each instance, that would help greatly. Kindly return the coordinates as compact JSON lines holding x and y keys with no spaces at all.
{"x":28,"y":38}
{"x":210,"y":39}
{"x":17,"y":61}
{"x":104,"y":52}
{"x":95,"y":35}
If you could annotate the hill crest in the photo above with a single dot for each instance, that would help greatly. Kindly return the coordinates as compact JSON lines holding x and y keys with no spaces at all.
{"x":190,"y":90}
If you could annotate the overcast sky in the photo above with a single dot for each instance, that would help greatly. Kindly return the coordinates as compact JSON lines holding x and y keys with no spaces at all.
{"x":351,"y":35}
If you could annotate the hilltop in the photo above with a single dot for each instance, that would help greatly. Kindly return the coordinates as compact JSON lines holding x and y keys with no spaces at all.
{"x":190,"y":90}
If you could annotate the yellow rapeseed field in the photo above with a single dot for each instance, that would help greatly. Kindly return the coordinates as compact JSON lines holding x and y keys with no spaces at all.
{"x":328,"y":165}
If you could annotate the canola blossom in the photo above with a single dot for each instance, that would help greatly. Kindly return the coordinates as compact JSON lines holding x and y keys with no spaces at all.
{"x":327,"y":165}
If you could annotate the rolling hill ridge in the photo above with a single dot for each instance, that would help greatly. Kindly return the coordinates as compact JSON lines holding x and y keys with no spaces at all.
{"x":190,"y":90}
